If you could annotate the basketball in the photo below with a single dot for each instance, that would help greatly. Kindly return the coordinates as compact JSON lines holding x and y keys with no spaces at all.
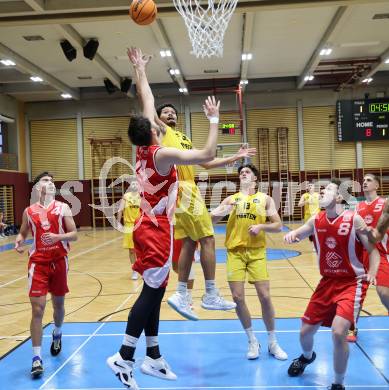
{"x":143,"y":12}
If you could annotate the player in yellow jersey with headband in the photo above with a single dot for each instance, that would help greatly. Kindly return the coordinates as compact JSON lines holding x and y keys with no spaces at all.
{"x":245,"y":241}
{"x":193,"y":223}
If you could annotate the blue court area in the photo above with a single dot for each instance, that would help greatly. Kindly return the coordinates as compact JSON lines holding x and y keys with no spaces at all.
{"x":11,"y":245}
{"x":209,"y":354}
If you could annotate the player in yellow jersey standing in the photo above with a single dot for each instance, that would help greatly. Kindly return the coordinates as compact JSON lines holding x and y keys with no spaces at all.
{"x":248,"y":211}
{"x":193,"y":222}
{"x":310,"y":202}
{"x":129,"y":209}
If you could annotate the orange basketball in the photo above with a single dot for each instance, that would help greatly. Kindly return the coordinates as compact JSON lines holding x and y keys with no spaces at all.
{"x":143,"y":11}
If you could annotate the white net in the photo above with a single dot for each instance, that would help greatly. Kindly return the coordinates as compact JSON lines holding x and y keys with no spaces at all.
{"x":206,"y":24}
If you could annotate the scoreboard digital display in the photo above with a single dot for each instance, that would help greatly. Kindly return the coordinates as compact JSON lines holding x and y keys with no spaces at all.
{"x":362,"y":120}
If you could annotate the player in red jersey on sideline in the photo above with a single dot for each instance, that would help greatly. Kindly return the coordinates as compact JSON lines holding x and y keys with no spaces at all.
{"x":371,"y":211}
{"x":52,"y":226}
{"x":340,"y":238}
{"x":153,"y":235}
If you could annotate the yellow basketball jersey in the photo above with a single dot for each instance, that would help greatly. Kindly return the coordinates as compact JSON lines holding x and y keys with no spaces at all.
{"x":178,"y":140}
{"x":248,"y":210}
{"x":312,"y":207}
{"x":131,"y":208}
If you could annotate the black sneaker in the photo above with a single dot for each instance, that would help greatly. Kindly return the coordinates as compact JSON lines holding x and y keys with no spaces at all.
{"x":298,"y":365}
{"x":336,"y":387}
{"x":56,"y":344}
{"x":37,"y":367}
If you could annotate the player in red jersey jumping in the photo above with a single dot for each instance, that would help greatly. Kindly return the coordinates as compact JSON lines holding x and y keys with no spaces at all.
{"x":52,"y":226}
{"x":153,"y":237}
{"x":340,"y":238}
{"x":371,"y":211}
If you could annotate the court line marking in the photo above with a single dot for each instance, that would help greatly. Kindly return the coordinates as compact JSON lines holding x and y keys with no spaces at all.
{"x":70,"y":258}
{"x":12,"y":281}
{"x":192,"y":333}
{"x":228,"y":387}
{"x":89,"y":338}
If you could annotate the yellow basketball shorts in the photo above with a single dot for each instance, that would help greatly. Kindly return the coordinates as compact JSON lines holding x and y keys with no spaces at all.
{"x":128,"y":242}
{"x":192,"y":218}
{"x":250,"y":261}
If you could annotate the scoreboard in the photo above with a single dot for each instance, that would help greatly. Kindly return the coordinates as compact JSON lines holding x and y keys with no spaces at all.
{"x":362,"y":120}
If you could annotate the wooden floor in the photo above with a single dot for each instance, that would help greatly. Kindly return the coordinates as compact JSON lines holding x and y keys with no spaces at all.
{"x":101,"y":289}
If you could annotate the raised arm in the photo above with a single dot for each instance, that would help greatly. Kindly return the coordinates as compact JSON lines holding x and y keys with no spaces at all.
{"x":139,"y":62}
{"x":23,"y":233}
{"x":300,"y":233}
{"x":243,"y":152}
{"x":166,"y":157}
{"x":302,"y":201}
{"x":222,"y":210}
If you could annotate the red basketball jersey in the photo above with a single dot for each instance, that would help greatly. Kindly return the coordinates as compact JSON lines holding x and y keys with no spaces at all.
{"x":158,"y":192}
{"x":340,"y":253}
{"x":371,"y":213}
{"x":42,"y":220}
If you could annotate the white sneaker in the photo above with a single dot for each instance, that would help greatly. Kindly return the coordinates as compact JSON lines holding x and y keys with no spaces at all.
{"x":253,"y":350}
{"x":134,"y":275}
{"x":157,"y":367}
{"x":123,"y":369}
{"x":277,"y":351}
{"x":214,"y":301}
{"x":181,"y":305}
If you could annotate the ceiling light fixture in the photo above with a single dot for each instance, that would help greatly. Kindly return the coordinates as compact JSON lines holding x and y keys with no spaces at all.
{"x":244,"y":82}
{"x":368,"y":80}
{"x":325,"y":51}
{"x":174,"y":71}
{"x":66,"y":95}
{"x":309,"y":78}
{"x":36,"y":79}
{"x":183,"y":90}
{"x":165,"y":53}
{"x":8,"y":62}
{"x":247,"y":56}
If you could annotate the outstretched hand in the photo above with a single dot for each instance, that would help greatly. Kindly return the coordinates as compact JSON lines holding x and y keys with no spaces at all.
{"x":137,"y":58}
{"x":211,"y":107}
{"x":245,"y":151}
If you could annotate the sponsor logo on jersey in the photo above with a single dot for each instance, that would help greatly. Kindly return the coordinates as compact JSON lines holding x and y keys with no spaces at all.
{"x":333,"y":259}
{"x":321,"y":230}
{"x":368,"y":219}
{"x":256,"y":200}
{"x":331,"y":242}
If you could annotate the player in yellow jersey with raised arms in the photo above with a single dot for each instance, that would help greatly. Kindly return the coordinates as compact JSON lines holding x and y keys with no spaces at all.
{"x":129,"y":209}
{"x":248,"y":212}
{"x":193,"y":223}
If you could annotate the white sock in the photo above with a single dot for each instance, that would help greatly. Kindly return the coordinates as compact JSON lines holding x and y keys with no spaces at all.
{"x":130,"y":341}
{"x":339,"y":378}
{"x":151,"y":341}
{"x":57,"y":330}
{"x":271,"y":337}
{"x":182,"y":288}
{"x":191,"y":273}
{"x":307,"y":355}
{"x":210,"y":286}
{"x":250,"y":335}
{"x":36,"y":351}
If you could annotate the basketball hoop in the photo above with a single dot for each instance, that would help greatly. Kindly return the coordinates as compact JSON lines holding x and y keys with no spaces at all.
{"x":206,"y":24}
